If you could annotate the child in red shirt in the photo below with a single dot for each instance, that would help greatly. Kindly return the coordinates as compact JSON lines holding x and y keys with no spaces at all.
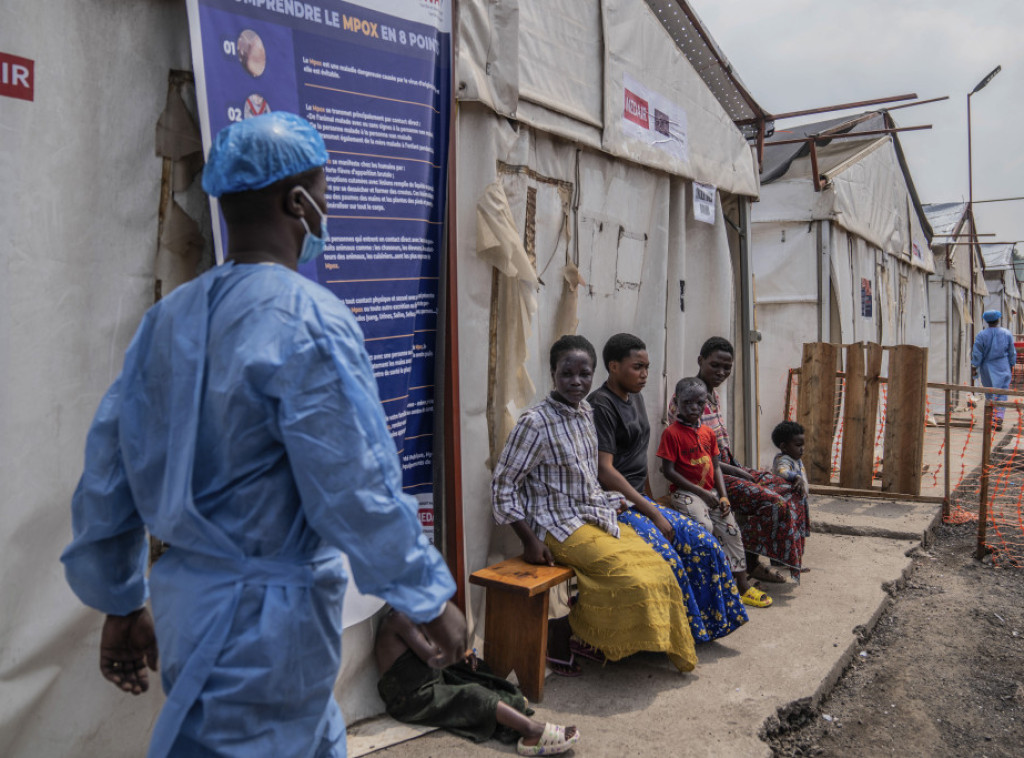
{"x":689,"y":458}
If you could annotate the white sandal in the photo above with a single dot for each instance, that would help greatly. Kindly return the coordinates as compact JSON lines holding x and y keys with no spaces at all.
{"x":552,"y":742}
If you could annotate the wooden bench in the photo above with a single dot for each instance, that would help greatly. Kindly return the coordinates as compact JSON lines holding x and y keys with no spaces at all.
{"x":516,"y":620}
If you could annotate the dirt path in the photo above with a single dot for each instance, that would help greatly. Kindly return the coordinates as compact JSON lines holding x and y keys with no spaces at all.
{"x":942,"y":674}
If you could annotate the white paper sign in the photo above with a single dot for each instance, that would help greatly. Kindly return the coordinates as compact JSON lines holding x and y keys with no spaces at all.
{"x":704,"y":202}
{"x":652,"y":118}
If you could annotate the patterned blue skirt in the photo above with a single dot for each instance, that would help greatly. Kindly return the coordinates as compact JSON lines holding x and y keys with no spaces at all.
{"x":702,"y":570}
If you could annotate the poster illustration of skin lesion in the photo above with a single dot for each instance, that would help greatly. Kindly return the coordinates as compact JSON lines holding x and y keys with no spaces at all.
{"x":251,"y":53}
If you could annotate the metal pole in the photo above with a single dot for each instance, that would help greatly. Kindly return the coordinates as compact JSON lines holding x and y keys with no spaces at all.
{"x":748,"y":334}
{"x":945,"y":499}
{"x":986,"y":454}
{"x":970,"y":213}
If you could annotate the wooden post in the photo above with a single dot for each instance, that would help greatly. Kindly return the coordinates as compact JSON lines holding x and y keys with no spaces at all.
{"x":816,"y":408}
{"x":855,"y":470}
{"x":986,"y":455}
{"x":904,"y":420}
{"x":789,"y":395}
{"x":872,"y":389}
{"x":946,"y":456}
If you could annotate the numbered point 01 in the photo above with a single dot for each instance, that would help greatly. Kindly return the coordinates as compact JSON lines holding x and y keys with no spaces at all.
{"x":234,"y":114}
{"x":229,"y":48}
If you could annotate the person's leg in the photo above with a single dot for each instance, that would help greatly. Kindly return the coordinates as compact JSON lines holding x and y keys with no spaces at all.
{"x":531,"y":730}
{"x":727,"y":531}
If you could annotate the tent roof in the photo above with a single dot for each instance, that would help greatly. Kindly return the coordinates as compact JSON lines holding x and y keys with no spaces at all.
{"x":998,"y":255}
{"x":945,"y":217}
{"x":703,"y":53}
{"x":778,"y":158}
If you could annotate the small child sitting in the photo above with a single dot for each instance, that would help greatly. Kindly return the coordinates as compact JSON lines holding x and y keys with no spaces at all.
{"x":460,"y":698}
{"x":689,"y":460}
{"x":788,"y":437}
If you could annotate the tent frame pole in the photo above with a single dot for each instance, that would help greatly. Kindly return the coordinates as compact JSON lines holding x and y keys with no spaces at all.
{"x":748,"y":335}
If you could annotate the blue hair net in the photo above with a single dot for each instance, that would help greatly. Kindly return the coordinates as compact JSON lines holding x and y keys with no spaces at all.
{"x":259,"y":151}
{"x":991,"y":316}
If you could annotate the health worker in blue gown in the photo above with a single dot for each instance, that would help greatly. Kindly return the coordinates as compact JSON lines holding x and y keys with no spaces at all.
{"x":993,"y":359}
{"x":245,"y":431}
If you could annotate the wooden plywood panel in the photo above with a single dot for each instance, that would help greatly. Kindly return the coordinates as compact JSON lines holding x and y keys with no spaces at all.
{"x":904,"y":420}
{"x":863,"y":366}
{"x":816,"y":407}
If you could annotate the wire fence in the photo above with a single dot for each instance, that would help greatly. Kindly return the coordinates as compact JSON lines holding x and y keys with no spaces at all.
{"x":977,"y":468}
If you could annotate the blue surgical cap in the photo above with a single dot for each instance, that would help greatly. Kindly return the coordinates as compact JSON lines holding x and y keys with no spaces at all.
{"x":259,"y":151}
{"x":991,"y":316}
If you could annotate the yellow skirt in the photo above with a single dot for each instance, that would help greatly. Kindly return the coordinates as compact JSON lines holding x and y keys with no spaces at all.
{"x":629,"y":599}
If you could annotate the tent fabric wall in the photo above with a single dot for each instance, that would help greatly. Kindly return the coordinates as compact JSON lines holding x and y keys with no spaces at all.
{"x":80,"y":242}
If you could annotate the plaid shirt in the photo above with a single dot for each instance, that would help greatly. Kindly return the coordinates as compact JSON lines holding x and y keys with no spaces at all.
{"x":714,"y":417}
{"x":547,"y":473}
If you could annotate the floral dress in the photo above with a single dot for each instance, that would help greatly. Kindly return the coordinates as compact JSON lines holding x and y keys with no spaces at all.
{"x":699,"y":564}
{"x":774,"y":515}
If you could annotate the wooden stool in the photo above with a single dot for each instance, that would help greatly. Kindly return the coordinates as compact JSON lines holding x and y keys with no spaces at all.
{"x":516,"y":621}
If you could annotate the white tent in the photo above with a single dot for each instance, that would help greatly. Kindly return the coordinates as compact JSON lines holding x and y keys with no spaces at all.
{"x":842,"y":258}
{"x":1004,"y":293}
{"x":608,"y":238}
{"x":955,"y":304}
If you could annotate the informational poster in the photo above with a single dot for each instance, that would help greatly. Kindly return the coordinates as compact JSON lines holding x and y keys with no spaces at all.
{"x":704,"y":202}
{"x":866,"y":300}
{"x":652,"y":118}
{"x":374,"y":78}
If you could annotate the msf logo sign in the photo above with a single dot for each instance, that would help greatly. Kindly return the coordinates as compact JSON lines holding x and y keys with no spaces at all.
{"x":636,"y":110}
{"x":17,"y":77}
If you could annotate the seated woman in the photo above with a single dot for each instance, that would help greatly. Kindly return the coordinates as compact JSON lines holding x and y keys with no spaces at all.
{"x":623,"y":437}
{"x":545,"y":485}
{"x":774,"y":520}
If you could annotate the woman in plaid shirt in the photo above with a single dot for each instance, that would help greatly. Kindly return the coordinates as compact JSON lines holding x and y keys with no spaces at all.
{"x":545,"y":485}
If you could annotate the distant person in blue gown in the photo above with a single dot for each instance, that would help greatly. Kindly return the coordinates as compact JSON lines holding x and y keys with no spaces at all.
{"x":245,"y":431}
{"x":993,"y":359}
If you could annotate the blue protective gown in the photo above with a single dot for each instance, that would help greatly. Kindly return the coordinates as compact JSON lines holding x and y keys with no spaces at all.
{"x":994,"y":356}
{"x":245,"y":430}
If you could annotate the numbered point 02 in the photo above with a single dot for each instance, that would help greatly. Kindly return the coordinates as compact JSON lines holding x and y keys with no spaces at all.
{"x":234,"y":114}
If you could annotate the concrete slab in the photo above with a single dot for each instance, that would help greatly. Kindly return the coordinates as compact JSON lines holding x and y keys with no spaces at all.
{"x":893,"y":519}
{"x":794,"y":650}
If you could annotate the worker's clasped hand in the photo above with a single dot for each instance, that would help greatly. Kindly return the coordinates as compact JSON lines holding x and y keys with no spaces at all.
{"x":448,"y":633}
{"x":127,"y":648}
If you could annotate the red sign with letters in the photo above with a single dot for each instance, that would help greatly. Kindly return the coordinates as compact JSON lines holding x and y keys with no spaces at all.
{"x":636,"y":110}
{"x":17,"y":77}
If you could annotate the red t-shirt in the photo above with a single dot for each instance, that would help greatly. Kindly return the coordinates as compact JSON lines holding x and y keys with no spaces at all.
{"x":693,"y":452}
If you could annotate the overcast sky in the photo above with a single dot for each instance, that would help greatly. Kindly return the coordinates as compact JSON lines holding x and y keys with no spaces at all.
{"x":799,"y":54}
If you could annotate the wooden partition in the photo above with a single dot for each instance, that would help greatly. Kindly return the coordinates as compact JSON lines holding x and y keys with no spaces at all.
{"x":816,"y":408}
{"x":904,"y":419}
{"x":863,"y":369}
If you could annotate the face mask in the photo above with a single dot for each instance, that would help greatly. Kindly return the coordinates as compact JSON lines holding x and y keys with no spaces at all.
{"x":313,"y":246}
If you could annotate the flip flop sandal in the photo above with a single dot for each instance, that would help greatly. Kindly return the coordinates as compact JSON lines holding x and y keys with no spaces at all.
{"x":580,"y":648}
{"x":567,"y":668}
{"x":552,"y":742}
{"x":756,"y":598}
{"x":770,"y":575}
